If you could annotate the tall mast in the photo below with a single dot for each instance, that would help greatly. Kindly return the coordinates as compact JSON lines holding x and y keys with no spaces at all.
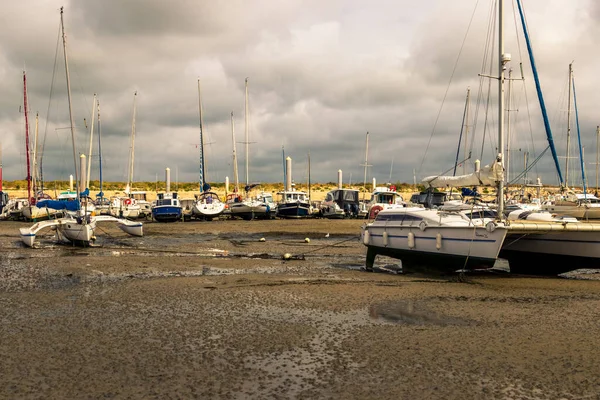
{"x":597,"y":153}
{"x":132,"y":148}
{"x":34,"y":166}
{"x":89,"y":166}
{"x":235,"y":166}
{"x":72,"y":125}
{"x":26,"y":136}
{"x":202,"y":177}
{"x":568,"y":127}
{"x":0,"y":166}
{"x":101,"y":194}
{"x":502,"y":59}
{"x":508,"y":132}
{"x":467,"y":109}
{"x":247,"y":126}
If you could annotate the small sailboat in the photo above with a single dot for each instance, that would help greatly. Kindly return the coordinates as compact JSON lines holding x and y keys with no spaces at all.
{"x":248,"y":207}
{"x":78,"y":226}
{"x":208,"y":205}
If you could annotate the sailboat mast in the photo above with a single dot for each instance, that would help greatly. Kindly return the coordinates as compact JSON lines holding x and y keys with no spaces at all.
{"x":246,"y":128}
{"x":132,"y":149}
{"x":89,"y":166}
{"x":34,"y":161}
{"x":597,"y":154}
{"x":568,"y":127}
{"x":309,"y":191}
{"x":366,"y":165}
{"x":26,"y":135}
{"x":72,"y":124}
{"x":1,"y":167}
{"x":508,"y":132}
{"x":202,"y":178}
{"x":502,"y":59}
{"x":235,"y":166}
{"x":99,"y":149}
{"x":467,"y":109}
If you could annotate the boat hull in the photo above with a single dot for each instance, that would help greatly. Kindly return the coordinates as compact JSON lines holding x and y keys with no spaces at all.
{"x":434,"y":248}
{"x":551,"y":253}
{"x":33,"y":213}
{"x":166,"y":213}
{"x":293,"y":210}
{"x":207,"y":210}
{"x":249,"y":212}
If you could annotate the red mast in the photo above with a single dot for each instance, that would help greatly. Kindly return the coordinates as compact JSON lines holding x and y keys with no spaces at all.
{"x":31,"y":200}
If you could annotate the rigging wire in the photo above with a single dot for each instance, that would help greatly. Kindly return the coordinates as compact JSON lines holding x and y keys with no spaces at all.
{"x":437,"y":118}
{"x":48,"y":110}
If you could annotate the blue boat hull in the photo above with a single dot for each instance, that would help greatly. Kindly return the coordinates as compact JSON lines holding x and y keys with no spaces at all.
{"x":166,"y":213}
{"x":293,"y":210}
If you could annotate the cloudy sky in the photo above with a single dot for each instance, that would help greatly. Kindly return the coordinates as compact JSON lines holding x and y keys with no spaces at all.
{"x":321,"y":74}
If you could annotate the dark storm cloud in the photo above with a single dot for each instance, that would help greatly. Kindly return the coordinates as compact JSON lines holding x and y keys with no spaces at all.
{"x":320,"y":76}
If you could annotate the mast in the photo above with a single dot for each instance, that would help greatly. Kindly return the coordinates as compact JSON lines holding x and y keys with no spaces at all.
{"x":202,"y":177}
{"x":72,"y":125}
{"x":502,"y":60}
{"x":462,"y":129}
{"x":540,"y":95}
{"x":246,"y":129}
{"x":467,"y":109}
{"x":101,"y":194}
{"x":366,"y":165}
{"x":132,"y":148}
{"x":0,"y":166}
{"x":581,"y":148}
{"x":567,"y":160}
{"x":309,"y":192}
{"x":89,"y":166}
{"x":34,"y":163}
{"x":508,"y":132}
{"x":597,"y":153}
{"x":235,"y":166}
{"x":26,"y":136}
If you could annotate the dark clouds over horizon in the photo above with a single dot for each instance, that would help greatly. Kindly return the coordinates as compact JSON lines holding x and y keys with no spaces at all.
{"x":320,"y":76}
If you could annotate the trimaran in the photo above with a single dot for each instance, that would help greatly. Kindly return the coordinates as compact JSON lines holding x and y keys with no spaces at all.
{"x":77,"y":227}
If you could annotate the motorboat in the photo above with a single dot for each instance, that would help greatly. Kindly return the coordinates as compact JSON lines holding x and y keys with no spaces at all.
{"x":167,"y":208}
{"x":293,"y":204}
{"x":340,"y":203}
{"x":383,"y":197}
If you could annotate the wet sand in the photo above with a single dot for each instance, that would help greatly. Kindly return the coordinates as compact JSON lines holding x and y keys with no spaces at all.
{"x":207,"y":310}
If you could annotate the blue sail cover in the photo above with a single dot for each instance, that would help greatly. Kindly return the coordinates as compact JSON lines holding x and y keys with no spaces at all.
{"x":72,"y":205}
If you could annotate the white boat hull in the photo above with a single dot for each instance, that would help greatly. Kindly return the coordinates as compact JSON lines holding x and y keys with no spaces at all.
{"x":446,"y":247}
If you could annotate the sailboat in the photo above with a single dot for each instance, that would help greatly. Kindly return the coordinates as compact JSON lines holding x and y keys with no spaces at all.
{"x":207,"y":205}
{"x":77,"y":227}
{"x":248,"y":208}
{"x":441,"y":239}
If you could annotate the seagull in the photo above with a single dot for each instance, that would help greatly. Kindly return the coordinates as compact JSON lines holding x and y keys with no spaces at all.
{"x":327,"y":235}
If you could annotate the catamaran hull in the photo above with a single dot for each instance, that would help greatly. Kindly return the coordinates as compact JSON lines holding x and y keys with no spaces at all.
{"x":436,"y":248}
{"x":551,"y":253}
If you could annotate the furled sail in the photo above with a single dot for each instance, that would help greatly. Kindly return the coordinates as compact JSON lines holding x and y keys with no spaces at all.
{"x":486,"y":176}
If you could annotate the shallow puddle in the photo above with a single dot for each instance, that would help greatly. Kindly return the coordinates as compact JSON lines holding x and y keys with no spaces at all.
{"x":411,"y":312}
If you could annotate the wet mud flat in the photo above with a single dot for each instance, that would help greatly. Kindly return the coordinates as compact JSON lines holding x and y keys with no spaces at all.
{"x":208,"y":310}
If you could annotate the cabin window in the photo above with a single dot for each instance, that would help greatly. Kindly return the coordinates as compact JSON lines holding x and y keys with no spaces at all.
{"x":329,"y":197}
